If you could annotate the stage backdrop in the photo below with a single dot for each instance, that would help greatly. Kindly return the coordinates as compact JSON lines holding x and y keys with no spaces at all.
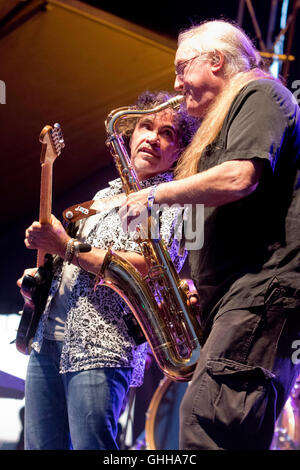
{"x":66,"y":62}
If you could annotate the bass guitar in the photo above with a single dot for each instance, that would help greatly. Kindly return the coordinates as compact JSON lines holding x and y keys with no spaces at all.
{"x":34,"y":289}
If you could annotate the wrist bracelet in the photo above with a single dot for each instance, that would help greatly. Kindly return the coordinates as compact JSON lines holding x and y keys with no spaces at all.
{"x":69,"y":251}
{"x":76,"y":248}
{"x":77,"y":251}
{"x":151,"y":197}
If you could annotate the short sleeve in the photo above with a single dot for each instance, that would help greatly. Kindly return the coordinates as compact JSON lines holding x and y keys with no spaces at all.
{"x":256,"y":128}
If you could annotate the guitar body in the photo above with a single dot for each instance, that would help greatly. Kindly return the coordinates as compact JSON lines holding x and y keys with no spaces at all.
{"x":35,"y":289}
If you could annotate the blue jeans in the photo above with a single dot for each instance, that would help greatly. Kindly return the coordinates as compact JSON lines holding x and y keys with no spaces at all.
{"x":78,"y":410}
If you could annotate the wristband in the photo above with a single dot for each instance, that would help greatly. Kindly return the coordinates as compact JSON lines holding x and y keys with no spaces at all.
{"x":151,"y":197}
{"x":80,"y":247}
{"x":69,"y":251}
{"x":76,"y":248}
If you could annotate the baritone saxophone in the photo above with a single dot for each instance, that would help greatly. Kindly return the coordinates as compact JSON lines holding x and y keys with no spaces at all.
{"x":159,"y":300}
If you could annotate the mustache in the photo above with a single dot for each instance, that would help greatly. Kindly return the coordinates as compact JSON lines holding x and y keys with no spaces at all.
{"x":149,"y":149}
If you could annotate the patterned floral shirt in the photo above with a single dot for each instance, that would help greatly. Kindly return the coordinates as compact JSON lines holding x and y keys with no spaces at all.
{"x":95,"y":334}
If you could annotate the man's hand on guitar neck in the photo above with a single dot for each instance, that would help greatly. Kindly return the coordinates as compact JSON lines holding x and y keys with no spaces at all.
{"x":51,"y":238}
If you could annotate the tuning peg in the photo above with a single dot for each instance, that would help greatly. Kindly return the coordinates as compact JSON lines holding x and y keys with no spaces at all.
{"x":57,"y":138}
{"x":59,"y":134}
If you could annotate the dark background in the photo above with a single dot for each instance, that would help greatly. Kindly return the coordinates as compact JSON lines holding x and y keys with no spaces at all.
{"x":32,"y":38}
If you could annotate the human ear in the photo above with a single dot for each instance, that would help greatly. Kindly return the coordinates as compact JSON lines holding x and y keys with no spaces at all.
{"x":217,"y":61}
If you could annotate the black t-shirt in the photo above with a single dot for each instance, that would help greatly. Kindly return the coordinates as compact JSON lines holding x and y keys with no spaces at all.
{"x":251,"y":251}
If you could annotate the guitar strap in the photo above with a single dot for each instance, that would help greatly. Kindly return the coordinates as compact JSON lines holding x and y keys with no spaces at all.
{"x":88,"y":208}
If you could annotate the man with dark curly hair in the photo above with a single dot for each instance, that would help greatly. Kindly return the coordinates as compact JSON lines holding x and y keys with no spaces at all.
{"x":84,"y":357}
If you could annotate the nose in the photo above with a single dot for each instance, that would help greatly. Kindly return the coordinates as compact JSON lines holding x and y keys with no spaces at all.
{"x":178,"y":84}
{"x":152,"y":138}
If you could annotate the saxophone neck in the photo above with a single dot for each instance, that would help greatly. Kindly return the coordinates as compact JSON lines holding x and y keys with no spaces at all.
{"x":117,"y":114}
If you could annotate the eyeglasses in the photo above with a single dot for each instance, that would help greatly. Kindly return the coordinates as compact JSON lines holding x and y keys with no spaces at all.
{"x":180,"y":68}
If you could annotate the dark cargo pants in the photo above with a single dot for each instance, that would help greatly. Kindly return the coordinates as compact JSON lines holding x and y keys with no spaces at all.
{"x":244,"y":376}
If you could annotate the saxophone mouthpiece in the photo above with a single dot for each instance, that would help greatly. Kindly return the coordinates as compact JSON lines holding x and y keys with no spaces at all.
{"x":175,"y":102}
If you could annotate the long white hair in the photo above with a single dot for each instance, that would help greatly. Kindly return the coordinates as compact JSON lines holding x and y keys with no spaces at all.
{"x":242,"y":64}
